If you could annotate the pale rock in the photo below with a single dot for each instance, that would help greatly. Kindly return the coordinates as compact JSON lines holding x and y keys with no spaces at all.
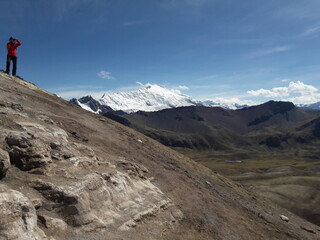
{"x":94,"y":201}
{"x":208,"y":183}
{"x":18,"y":219}
{"x":4,"y":163}
{"x":284,"y":218}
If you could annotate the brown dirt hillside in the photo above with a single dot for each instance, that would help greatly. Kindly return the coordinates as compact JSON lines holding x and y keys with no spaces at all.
{"x":73,"y":174}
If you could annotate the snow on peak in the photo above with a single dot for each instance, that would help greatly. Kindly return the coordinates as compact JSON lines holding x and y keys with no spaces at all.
{"x":314,"y":106}
{"x":150,"y":97}
{"x":153,"y":97}
{"x":227,"y":103}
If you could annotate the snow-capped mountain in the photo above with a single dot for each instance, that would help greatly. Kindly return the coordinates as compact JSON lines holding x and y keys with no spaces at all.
{"x":314,"y":106}
{"x":224,"y":103}
{"x":90,"y":104}
{"x":150,"y":97}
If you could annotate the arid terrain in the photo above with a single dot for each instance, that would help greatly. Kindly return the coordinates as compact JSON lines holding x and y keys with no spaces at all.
{"x":67,"y":173}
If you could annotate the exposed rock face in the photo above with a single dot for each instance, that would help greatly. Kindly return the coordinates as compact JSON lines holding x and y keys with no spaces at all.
{"x":98,"y":200}
{"x":18,"y":219}
{"x":4,"y":163}
{"x":76,"y":186}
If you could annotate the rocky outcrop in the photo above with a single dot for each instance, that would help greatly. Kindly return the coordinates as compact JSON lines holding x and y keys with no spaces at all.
{"x":4,"y":163}
{"x":27,"y":152}
{"x":99,"y":200}
{"x":18,"y":219}
{"x":78,"y":188}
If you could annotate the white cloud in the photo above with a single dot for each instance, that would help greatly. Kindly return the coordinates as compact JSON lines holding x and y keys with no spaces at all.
{"x":305,"y":99}
{"x":275,"y":92}
{"x":270,"y":51}
{"x":105,"y":75}
{"x":296,"y":92}
{"x":311,"y":32}
{"x":284,"y":80}
{"x":183,"y":88}
{"x":303,"y":89}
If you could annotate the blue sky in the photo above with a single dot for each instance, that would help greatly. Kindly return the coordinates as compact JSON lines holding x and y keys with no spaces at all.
{"x":249,"y":50}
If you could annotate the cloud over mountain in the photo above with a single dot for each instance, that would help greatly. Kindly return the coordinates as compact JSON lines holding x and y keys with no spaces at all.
{"x":297,"y":92}
{"x":105,"y":75}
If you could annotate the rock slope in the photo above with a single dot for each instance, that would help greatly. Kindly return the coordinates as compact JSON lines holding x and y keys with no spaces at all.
{"x":67,"y":173}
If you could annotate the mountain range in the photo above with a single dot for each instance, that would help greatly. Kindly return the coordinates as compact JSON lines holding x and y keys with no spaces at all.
{"x":152,"y":97}
{"x":274,"y":124}
{"x":66,"y":173}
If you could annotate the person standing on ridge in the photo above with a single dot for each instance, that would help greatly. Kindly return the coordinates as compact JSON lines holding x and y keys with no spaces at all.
{"x":12,"y":55}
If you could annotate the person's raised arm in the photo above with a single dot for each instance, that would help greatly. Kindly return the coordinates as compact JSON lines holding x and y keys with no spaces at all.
{"x":18,"y":43}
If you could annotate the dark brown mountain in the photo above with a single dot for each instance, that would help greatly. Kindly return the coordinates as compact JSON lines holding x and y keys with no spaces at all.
{"x":218,"y":128}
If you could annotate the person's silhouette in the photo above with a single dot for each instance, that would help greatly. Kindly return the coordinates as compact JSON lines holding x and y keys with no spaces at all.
{"x":12,"y":55}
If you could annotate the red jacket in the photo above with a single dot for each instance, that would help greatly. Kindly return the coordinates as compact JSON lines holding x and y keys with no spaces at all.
{"x":12,"y":48}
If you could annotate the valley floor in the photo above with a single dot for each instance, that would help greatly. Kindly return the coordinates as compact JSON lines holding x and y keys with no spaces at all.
{"x":292,"y":182}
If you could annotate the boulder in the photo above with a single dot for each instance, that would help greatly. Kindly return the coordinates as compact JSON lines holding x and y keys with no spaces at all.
{"x":4,"y":163}
{"x":284,"y":218}
{"x":28,"y":152}
{"x":18,"y":219}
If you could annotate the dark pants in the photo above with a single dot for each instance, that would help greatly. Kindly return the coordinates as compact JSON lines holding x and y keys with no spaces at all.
{"x":14,"y":62}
